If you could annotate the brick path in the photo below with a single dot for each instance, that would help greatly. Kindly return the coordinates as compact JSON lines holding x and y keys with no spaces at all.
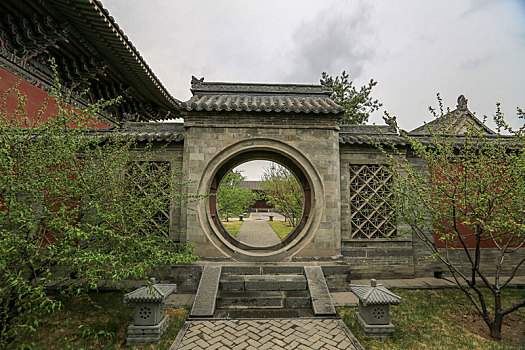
{"x":265,"y":334}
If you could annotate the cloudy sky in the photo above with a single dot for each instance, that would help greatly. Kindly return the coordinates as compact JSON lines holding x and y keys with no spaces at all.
{"x":414,"y":49}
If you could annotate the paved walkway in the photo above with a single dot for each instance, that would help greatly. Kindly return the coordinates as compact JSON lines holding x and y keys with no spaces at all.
{"x":265,"y":334}
{"x":257,"y":233}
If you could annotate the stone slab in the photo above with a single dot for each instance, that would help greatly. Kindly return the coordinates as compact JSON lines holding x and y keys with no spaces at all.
{"x":204,"y":304}
{"x":297,"y":299}
{"x":180,"y":300}
{"x":250,"y":299}
{"x":282,"y":269}
{"x":275,"y":282}
{"x":321,"y":301}
{"x":232,"y":282}
{"x":344,"y":299}
{"x":263,"y":313}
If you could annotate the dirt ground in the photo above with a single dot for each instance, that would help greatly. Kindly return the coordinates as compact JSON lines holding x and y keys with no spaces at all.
{"x":513,"y":331}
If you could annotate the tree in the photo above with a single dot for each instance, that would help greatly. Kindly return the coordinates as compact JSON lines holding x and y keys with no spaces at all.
{"x":470,"y":196}
{"x":281,"y":189}
{"x":71,"y":210}
{"x":358,"y":104}
{"x":231,"y":198}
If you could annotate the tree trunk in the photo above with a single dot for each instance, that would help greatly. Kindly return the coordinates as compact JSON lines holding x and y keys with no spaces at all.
{"x":495,"y":328}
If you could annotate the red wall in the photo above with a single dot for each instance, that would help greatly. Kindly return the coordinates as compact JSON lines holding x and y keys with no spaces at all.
{"x":35,"y":98}
{"x":468,"y":233}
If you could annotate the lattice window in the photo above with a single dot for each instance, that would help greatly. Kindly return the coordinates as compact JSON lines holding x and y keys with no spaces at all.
{"x":143,"y":182}
{"x":372,"y":215}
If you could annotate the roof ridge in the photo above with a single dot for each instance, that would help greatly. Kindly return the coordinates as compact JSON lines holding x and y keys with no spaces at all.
{"x":200,"y":87}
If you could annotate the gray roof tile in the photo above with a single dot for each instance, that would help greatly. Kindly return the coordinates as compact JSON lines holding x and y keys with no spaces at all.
{"x":153,"y":293}
{"x":248,"y":97}
{"x":246,"y":103}
{"x":154,"y":131}
{"x":374,"y":294}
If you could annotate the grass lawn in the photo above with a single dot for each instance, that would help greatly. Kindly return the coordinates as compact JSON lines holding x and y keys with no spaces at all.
{"x":281,"y":228}
{"x":441,"y":319}
{"x":97,"y":322}
{"x":233,"y":227}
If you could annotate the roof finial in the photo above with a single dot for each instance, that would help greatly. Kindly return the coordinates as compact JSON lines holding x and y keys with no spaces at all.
{"x":462,"y":103}
{"x":390,"y":120}
{"x":195,"y":83}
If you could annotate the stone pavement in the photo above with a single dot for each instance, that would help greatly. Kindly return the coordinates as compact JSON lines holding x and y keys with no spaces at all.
{"x":262,"y":334}
{"x":257,"y":233}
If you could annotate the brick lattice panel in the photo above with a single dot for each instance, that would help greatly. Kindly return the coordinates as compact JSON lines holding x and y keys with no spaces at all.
{"x":372,"y":215}
{"x":142,"y":182}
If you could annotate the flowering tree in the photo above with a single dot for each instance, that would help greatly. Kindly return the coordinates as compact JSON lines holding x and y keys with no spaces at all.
{"x":470,"y":198}
{"x":281,"y":189}
{"x":70,"y":210}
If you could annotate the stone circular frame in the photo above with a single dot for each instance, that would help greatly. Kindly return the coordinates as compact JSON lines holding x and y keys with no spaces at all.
{"x":266,"y":149}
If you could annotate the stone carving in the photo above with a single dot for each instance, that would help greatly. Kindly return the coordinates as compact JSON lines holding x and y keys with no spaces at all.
{"x":196,"y":83}
{"x":462,"y":103}
{"x":374,"y":309}
{"x":150,"y":319}
{"x":390,"y":120}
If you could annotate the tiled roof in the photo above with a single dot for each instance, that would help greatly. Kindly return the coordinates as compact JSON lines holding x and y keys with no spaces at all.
{"x":262,"y":104}
{"x":154,"y":131}
{"x":374,"y":294}
{"x":153,"y":293}
{"x":93,"y":21}
{"x":455,"y":122}
{"x":217,"y":96}
{"x":369,"y":134}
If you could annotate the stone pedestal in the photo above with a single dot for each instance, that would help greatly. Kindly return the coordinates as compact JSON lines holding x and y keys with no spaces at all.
{"x":147,"y":334}
{"x":375,"y":330}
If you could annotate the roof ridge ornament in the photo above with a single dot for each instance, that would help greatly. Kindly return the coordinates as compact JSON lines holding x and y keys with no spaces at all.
{"x":327,"y":86}
{"x":462,"y":103}
{"x":196,"y":83}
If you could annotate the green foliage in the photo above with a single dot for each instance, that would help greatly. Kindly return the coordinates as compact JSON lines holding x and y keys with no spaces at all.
{"x":471,"y":195}
{"x":231,"y":199}
{"x":70,"y":212}
{"x":281,"y":189}
{"x":358,"y":104}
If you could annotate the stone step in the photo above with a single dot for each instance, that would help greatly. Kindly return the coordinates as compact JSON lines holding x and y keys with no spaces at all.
{"x":263,"y":313}
{"x":263,"y":282}
{"x":263,"y":299}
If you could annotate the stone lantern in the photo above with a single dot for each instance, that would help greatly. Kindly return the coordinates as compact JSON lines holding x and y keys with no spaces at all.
{"x":150,"y":319}
{"x":374,"y":307}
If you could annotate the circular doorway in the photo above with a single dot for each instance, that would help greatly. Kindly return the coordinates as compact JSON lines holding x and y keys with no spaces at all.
{"x":262,"y":149}
{"x":284,"y":186}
